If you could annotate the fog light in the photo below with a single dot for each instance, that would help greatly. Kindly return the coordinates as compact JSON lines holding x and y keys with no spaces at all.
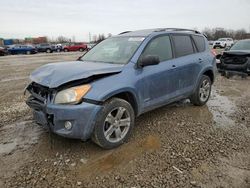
{"x":68,"y":125}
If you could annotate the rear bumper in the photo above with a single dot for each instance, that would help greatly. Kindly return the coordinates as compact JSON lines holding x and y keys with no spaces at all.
{"x":81,"y":116}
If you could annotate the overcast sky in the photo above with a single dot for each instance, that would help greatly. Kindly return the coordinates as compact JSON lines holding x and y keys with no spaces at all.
{"x":32,"y":18}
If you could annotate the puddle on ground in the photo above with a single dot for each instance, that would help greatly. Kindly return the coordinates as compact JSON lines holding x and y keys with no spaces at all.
{"x":118,"y":157}
{"x":19,"y":135}
{"x":221,"y":108}
{"x":8,"y":148}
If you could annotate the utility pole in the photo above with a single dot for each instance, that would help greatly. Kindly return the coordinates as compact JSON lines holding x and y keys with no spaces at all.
{"x":73,"y":38}
{"x":89,"y":37}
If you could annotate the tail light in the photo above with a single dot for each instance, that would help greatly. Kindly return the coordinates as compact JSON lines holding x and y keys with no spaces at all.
{"x":213,"y":52}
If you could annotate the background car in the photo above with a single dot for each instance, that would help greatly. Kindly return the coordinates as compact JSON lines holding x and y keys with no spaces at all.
{"x":90,"y":46}
{"x":236,"y":59}
{"x":45,"y":47}
{"x":58,"y":47}
{"x":75,"y":47}
{"x":22,"y":49}
{"x":223,"y":43}
{"x":211,"y":42}
{"x":3,"y":51}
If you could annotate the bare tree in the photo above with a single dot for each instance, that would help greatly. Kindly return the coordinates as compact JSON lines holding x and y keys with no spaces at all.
{"x":62,"y":39}
{"x":215,"y":33}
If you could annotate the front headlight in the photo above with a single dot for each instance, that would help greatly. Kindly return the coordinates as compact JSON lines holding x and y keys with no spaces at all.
{"x":72,"y":95}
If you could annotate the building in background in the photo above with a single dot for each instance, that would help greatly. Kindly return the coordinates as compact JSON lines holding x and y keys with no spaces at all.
{"x":247,"y":35}
{"x":35,"y":40}
{"x":7,"y":42}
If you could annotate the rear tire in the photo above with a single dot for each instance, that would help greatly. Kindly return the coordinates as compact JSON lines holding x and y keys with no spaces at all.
{"x":28,"y":52}
{"x":81,"y":49}
{"x":114,"y":124}
{"x":202,"y":93}
{"x":66,"y":50}
{"x":48,"y":50}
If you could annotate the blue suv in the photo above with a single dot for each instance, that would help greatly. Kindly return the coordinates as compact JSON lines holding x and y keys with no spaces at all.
{"x":99,"y":95}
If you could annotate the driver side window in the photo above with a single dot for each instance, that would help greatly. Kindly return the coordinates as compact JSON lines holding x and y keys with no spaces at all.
{"x":161,"y":47}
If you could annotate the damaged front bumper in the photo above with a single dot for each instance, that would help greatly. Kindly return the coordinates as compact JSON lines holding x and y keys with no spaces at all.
{"x":54,"y":117}
{"x":234,"y":64}
{"x":234,"y":67}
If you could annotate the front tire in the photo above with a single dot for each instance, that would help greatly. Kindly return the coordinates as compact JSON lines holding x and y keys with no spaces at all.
{"x":114,"y":124}
{"x":203,"y":91}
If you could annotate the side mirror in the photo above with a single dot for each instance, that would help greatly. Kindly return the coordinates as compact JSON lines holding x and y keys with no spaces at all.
{"x":149,"y":60}
{"x":218,"y":56}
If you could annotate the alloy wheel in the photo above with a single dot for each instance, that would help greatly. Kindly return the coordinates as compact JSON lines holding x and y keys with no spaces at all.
{"x":117,"y":124}
{"x":204,"y":91}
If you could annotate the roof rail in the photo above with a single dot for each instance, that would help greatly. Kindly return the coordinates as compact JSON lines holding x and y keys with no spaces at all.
{"x":177,"y":29}
{"x":124,"y":32}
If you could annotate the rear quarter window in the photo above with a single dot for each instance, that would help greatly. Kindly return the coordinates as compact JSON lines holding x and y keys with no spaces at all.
{"x":199,"y":42}
{"x":183,"y":45}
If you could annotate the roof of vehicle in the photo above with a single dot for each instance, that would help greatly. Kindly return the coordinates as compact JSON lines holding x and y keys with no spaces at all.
{"x":147,"y":32}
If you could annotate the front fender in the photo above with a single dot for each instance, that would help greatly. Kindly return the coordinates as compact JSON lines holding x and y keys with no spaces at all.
{"x":103,"y":90}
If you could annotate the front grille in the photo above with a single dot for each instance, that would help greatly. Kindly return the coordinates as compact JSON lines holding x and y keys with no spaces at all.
{"x":39,"y":92}
{"x":235,"y":60}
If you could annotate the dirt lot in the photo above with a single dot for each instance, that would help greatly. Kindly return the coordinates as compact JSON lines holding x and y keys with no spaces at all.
{"x":175,"y":146}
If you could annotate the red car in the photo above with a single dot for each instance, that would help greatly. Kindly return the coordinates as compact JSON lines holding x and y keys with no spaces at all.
{"x":75,"y":47}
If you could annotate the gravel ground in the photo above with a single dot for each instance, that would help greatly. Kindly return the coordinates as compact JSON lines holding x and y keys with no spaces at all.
{"x":179,"y":145}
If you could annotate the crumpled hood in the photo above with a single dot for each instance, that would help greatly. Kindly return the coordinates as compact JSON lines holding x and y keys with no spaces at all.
{"x":55,"y":74}
{"x":237,"y":52}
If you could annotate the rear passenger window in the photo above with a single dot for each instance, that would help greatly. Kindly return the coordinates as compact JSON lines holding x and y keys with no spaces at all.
{"x":183,"y":45}
{"x":161,"y":47}
{"x":199,"y":42}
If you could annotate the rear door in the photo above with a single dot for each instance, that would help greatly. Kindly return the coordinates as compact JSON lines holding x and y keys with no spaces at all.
{"x":187,"y":63}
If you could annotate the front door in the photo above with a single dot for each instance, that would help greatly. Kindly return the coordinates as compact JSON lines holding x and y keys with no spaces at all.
{"x":157,"y":83}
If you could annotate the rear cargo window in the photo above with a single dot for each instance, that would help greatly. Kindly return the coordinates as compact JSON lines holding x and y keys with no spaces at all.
{"x":199,"y":42}
{"x":183,"y":45}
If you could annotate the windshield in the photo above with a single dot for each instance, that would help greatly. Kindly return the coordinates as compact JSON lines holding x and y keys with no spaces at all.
{"x":117,"y":50}
{"x":241,"y":45}
{"x":222,"y":39}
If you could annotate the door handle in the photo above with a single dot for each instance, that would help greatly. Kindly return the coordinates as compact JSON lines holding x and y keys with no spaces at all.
{"x":174,"y":66}
{"x":200,"y":60}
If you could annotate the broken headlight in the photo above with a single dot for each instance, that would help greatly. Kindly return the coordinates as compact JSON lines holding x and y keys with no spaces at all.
{"x":72,"y":95}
